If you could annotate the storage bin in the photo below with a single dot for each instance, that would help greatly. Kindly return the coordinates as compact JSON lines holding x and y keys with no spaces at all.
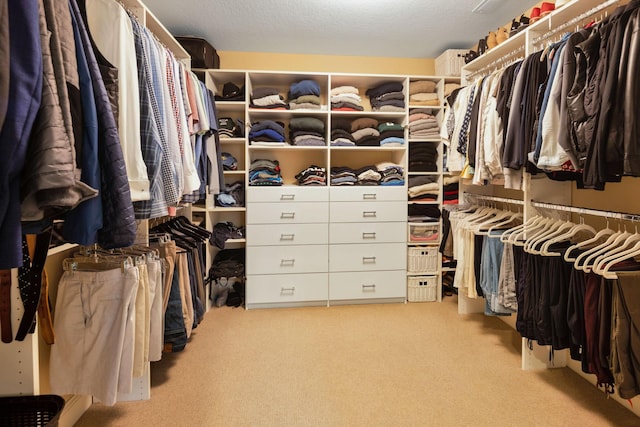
{"x":450,"y":62}
{"x":427,"y":233}
{"x":30,"y":411}
{"x":423,"y":260}
{"x":422,"y":288}
{"x":203,"y":55}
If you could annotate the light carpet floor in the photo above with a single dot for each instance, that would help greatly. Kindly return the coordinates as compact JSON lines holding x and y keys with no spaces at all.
{"x":416,"y":364}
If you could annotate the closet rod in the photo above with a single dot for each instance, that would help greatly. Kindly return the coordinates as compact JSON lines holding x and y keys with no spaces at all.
{"x":593,"y":11}
{"x":586,"y":211}
{"x":495,"y":199}
{"x":503,"y":61}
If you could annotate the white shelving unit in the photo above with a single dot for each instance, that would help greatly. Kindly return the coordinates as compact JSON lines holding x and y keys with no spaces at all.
{"x":335,"y":279}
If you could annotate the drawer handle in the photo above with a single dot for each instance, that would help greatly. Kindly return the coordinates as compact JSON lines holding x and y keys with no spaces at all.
{"x":287,"y":237}
{"x":368,"y":235}
{"x":369,"y":214}
{"x":368,"y":288}
{"x":370,"y":196}
{"x":287,"y":262}
{"x":290,"y":290}
{"x":287,"y":196}
{"x":368,"y":260}
{"x":287,"y":215}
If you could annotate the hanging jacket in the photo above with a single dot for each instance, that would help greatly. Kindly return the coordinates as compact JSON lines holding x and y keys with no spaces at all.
{"x":119,"y":228}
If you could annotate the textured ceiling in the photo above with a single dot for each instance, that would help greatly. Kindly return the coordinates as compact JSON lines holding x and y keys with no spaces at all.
{"x":386,"y":28}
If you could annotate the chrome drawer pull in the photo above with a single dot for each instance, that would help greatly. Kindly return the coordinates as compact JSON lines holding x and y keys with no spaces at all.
{"x":368,"y":235}
{"x":370,"y":288}
{"x":290,"y":290}
{"x":287,"y":262}
{"x":370,"y":196}
{"x":287,"y":237}
{"x":368,"y":260}
{"x":369,"y":214}
{"x":287,"y":215}
{"x":287,"y":196}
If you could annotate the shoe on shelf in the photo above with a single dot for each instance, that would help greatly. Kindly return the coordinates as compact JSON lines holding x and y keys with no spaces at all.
{"x":502,"y":35}
{"x":492,"y":40}
{"x":546,"y":8}
{"x":535,"y":15}
{"x":524,"y":23}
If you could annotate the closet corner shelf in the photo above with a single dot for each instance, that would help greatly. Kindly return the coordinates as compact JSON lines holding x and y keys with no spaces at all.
{"x":195,"y":208}
{"x":231,"y":105}
{"x":426,"y":107}
{"x":239,"y":141}
{"x":62,"y":248}
{"x":286,"y":147}
{"x":223,"y":209}
{"x":428,"y":140}
{"x":368,"y":148}
{"x":234,"y":172}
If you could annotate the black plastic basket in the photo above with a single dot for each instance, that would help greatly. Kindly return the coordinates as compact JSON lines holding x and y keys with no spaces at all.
{"x":30,"y":411}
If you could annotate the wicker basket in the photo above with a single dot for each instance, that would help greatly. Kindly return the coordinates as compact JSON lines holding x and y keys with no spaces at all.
{"x":422,"y":288}
{"x":423,"y":260}
{"x":30,"y":411}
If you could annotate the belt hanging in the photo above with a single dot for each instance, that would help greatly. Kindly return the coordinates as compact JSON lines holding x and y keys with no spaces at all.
{"x":30,"y":279}
{"x":5,"y":306}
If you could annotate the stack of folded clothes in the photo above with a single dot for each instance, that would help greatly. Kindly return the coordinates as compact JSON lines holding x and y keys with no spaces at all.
{"x":423,"y":213}
{"x":226,"y":127}
{"x":265,"y":172}
{"x":368,"y":175}
{"x":231,"y":92}
{"x":304,"y":95}
{"x":307,"y":131}
{"x":450,"y":190}
{"x":391,"y":134}
{"x":424,"y":188}
{"x":365,"y":132}
{"x":267,"y":132}
{"x":267,"y":97}
{"x":387,"y":96}
{"x":423,"y":157}
{"x":346,"y":98}
{"x":232,"y":195}
{"x":423,"y":124}
{"x":423,"y":92}
{"x":449,"y":88}
{"x":229,"y":163}
{"x":313,"y":175}
{"x":341,"y":133}
{"x":391,"y":174}
{"x":343,"y":175}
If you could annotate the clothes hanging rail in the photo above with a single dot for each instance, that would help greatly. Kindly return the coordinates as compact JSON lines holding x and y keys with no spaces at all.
{"x":585,"y":211}
{"x":575,"y":21}
{"x":501,"y":62}
{"x":495,"y":199}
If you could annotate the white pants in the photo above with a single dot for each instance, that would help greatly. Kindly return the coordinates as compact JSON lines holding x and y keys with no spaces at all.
{"x":93,"y":346}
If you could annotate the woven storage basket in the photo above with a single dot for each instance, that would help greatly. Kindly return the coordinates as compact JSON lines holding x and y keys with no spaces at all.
{"x":422,"y":288}
{"x":423,"y":260}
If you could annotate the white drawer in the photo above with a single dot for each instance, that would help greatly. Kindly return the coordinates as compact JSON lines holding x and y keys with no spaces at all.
{"x":287,"y":234}
{"x":287,"y":259}
{"x":287,"y":213}
{"x":367,"y":194}
{"x":375,"y":232}
{"x":368,"y":212}
{"x":287,"y":194}
{"x":379,"y":284}
{"x":380,"y":256}
{"x":284,"y":288}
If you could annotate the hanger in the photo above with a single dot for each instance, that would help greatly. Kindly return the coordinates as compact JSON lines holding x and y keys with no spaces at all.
{"x":595,"y":239}
{"x":88,"y":264}
{"x":565,"y":236}
{"x":515,"y":216}
{"x":613,"y":241}
{"x":520,"y":238}
{"x":502,"y":218}
{"x":603,"y":269}
{"x":535,"y":239}
{"x":531,"y":221}
{"x":616,"y":252}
